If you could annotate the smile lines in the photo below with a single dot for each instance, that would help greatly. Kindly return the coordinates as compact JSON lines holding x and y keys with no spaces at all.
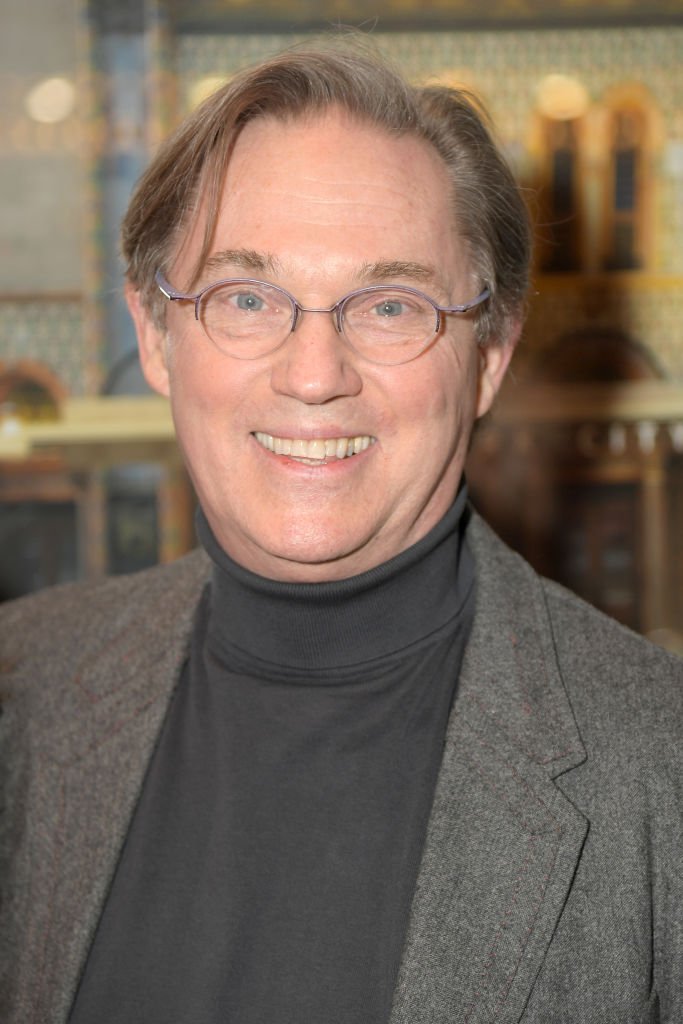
{"x":318,"y":449}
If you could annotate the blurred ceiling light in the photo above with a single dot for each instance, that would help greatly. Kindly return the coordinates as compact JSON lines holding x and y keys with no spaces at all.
{"x":203,"y":87}
{"x":562,"y":98}
{"x":51,"y":100}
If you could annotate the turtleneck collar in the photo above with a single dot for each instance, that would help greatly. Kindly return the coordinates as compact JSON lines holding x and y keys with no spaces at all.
{"x":318,"y":626}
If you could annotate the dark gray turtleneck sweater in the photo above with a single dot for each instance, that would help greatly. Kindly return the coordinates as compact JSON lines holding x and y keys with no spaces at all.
{"x":269,"y":868}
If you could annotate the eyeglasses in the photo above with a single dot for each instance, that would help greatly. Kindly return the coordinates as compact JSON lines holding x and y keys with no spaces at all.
{"x":386,"y":324}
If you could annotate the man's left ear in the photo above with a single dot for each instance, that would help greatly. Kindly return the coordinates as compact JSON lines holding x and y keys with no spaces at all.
{"x":494,"y":359}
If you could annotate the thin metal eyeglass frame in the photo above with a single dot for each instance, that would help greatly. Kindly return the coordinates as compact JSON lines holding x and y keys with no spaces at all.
{"x":337,"y":309}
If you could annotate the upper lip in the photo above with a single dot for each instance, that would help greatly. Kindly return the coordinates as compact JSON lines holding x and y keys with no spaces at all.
{"x":307,"y":434}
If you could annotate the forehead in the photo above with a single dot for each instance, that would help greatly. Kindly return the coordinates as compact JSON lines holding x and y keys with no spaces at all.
{"x":329,"y":189}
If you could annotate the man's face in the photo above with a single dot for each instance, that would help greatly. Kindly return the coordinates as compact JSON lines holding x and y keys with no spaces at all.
{"x":326,"y":205}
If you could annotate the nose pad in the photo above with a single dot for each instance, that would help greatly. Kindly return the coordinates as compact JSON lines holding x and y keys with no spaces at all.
{"x":296,"y":314}
{"x":338,"y":315}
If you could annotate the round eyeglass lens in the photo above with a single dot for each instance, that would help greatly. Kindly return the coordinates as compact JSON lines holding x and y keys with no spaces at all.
{"x":246,"y":318}
{"x":389,"y":325}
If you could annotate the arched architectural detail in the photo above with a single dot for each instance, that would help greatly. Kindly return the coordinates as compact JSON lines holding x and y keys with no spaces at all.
{"x":561,"y":191}
{"x":632,"y":133}
{"x":32,"y":388}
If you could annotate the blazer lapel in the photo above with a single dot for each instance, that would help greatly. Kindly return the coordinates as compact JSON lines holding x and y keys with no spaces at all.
{"x":86,"y":784}
{"x":503,"y":842}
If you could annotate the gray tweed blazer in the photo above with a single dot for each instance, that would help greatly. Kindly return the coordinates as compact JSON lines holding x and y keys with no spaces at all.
{"x":551,"y":886}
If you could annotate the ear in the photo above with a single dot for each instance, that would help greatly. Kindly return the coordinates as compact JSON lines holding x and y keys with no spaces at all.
{"x":151,"y":343}
{"x":494,"y":359}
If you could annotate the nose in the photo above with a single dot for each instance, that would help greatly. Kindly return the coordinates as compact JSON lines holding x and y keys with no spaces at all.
{"x":315,"y":365}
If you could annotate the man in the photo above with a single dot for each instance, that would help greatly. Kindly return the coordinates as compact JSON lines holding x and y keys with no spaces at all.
{"x":360,"y":764}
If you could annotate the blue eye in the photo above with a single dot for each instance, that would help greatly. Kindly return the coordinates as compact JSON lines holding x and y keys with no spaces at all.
{"x":248,"y":301}
{"x":389,"y":307}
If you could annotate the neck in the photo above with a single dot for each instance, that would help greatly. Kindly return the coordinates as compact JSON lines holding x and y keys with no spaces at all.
{"x":313,"y":626}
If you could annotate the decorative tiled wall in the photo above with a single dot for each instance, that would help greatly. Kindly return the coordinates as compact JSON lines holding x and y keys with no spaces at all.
{"x":504,"y":66}
{"x":649,"y":310}
{"x":48,"y":331}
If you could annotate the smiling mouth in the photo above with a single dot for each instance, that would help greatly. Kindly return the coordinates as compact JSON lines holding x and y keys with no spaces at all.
{"x":318,"y":451}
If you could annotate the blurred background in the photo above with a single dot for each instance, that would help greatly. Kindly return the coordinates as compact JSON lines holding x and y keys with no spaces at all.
{"x":580,"y":466}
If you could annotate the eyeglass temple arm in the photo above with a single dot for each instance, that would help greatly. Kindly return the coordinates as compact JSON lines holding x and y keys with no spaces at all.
{"x":486,"y":294}
{"x":166,"y":289}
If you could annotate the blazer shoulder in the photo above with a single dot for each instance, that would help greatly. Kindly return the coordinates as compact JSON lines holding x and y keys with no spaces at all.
{"x":613,"y":677}
{"x":76,"y":614}
{"x":612,"y":673}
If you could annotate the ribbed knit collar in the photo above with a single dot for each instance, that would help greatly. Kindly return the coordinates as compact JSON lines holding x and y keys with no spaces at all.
{"x":313,"y":626}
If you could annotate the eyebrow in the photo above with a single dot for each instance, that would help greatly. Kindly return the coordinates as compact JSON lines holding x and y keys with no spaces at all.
{"x":256,"y":262}
{"x":244,"y":259}
{"x":382,"y":270}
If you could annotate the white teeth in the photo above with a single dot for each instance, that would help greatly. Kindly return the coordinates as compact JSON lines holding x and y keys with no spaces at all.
{"x":318,"y":449}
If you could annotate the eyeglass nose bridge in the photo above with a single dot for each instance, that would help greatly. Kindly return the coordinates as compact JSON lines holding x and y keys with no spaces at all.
{"x":337,"y":310}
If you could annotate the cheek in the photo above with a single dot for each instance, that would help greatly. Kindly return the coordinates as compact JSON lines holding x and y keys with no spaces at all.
{"x":440,"y":401}
{"x":205,"y":385}
{"x":200,"y":403}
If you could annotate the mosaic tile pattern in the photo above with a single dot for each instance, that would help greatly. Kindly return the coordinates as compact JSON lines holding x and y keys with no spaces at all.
{"x":50,"y":331}
{"x":503,"y":66}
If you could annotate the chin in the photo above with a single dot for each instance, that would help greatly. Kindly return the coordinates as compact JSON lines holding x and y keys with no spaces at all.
{"x":315,"y":558}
